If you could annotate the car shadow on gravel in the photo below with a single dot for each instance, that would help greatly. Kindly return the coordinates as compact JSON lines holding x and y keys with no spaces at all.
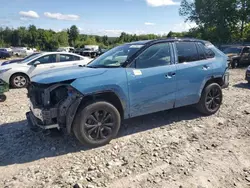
{"x":242,"y":85}
{"x":18,"y":144}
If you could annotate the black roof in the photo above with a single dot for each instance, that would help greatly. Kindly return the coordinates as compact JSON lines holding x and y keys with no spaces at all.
{"x":168,"y":40}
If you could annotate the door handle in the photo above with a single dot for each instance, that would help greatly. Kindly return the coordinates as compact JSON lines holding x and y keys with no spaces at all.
{"x":52,"y":66}
{"x":170,"y":75}
{"x":74,"y":63}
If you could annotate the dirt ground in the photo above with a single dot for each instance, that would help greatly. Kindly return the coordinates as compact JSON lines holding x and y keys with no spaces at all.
{"x":176,"y":148}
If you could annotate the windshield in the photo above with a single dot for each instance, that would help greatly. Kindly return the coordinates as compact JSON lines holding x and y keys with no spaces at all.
{"x":116,"y":56}
{"x":232,"y":50}
{"x":26,"y":60}
{"x":30,"y":56}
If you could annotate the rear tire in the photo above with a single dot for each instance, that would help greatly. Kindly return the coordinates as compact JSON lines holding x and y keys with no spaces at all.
{"x":96,"y":124}
{"x":211,"y":99}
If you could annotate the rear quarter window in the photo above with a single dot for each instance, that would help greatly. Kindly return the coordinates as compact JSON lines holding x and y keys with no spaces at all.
{"x":187,"y":52}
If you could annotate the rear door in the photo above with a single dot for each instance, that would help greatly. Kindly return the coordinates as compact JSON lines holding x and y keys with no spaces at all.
{"x":194,"y":66}
{"x":67,"y":60}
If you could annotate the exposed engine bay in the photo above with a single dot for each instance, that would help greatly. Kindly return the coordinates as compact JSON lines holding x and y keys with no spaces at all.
{"x":53,"y":105}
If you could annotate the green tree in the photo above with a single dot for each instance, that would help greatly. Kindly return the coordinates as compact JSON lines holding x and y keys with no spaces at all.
{"x":73,"y":35}
{"x":32,"y":34}
{"x":224,"y":19}
{"x":62,"y":38}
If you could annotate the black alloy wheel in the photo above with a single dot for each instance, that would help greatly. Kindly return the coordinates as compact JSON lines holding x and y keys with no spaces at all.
{"x":96,"y":124}
{"x":99,"y":125}
{"x":211,"y":99}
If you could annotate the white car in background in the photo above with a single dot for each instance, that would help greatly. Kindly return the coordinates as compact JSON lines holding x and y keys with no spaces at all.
{"x":19,"y":74}
{"x":23,"y":51}
{"x":66,"y":49}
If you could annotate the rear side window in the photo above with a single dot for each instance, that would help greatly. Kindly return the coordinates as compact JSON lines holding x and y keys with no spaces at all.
{"x":209,"y":53}
{"x":201,"y":51}
{"x":66,"y":58}
{"x":187,"y":52}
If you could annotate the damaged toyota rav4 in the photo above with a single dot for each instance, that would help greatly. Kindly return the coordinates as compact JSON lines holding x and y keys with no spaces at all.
{"x":130,"y":80}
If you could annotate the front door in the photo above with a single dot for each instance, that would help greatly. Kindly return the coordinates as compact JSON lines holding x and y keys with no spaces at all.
{"x":194,"y":66}
{"x":151,"y":82}
{"x":46,"y":62}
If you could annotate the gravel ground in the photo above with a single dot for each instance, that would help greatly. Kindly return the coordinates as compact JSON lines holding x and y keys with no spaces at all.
{"x":176,"y":148}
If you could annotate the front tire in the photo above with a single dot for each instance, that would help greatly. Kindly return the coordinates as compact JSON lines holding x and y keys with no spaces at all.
{"x":96,"y":124}
{"x":211,"y":99}
{"x":19,"y":80}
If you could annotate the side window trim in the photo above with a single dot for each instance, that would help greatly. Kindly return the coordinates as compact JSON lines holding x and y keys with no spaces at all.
{"x":132,"y":65}
{"x":58,"y":58}
{"x":202,"y":49}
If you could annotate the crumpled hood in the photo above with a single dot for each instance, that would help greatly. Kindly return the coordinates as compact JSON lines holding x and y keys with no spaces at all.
{"x":64,"y":74}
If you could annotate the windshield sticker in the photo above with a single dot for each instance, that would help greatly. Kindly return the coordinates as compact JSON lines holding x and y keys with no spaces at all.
{"x":136,"y":46}
{"x":137,"y":72}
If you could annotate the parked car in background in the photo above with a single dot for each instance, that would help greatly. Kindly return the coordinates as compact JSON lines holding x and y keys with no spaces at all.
{"x":91,"y":51}
{"x":248,"y":74}
{"x":66,"y":49}
{"x":7,"y":50}
{"x":19,"y":74}
{"x":131,"y":80}
{"x":22,"y":51}
{"x":79,"y":51}
{"x":19,"y":52}
{"x":4,"y":54}
{"x":238,"y":55}
{"x":18,"y":60}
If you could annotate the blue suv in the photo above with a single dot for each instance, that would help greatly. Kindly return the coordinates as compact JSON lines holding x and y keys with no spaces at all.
{"x":130,"y":80}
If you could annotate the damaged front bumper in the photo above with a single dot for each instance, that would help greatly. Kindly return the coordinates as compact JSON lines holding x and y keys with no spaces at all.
{"x":48,"y":114}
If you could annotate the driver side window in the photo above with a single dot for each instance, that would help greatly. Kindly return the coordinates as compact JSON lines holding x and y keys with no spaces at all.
{"x":154,"y":56}
{"x":46,"y":59}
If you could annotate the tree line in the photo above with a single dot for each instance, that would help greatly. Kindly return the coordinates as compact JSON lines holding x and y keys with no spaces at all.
{"x":219,"y":21}
{"x":49,"y":40}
